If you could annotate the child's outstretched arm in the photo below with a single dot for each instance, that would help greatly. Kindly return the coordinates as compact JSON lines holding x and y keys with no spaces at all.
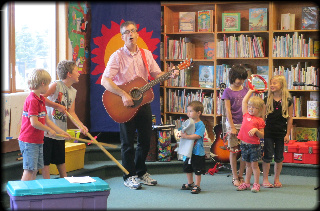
{"x":51,"y":90}
{"x":38,"y":125}
{"x":56,"y":129}
{"x":76,"y":120}
{"x":245,"y":101}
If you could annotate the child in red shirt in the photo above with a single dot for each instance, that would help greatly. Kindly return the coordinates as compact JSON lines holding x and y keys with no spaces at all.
{"x":33,"y":124}
{"x":252,"y":129}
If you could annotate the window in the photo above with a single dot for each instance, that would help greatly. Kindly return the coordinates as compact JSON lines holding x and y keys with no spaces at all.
{"x":29,"y":41}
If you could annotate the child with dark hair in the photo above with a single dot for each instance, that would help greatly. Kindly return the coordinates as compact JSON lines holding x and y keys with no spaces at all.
{"x":232,"y":97}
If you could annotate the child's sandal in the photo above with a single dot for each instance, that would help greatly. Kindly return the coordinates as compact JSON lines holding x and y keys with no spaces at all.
{"x":196,"y":189}
{"x":187,"y":186}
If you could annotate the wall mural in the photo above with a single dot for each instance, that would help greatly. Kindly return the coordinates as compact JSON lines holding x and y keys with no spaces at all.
{"x":79,"y":30}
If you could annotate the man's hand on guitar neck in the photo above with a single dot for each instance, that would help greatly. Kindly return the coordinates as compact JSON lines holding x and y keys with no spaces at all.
{"x":175,"y":73}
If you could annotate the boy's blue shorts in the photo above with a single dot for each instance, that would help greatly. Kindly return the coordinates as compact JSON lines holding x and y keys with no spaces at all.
{"x":32,"y":155}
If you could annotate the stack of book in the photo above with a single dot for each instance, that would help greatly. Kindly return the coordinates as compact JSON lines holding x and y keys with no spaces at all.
{"x":241,"y":46}
{"x":177,"y":100}
{"x":295,"y":46}
{"x":307,"y":75}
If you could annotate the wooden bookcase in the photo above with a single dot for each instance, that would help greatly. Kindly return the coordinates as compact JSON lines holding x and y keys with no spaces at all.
{"x":274,"y":9}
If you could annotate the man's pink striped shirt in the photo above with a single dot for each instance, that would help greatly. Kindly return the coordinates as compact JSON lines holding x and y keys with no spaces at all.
{"x":123,"y":67}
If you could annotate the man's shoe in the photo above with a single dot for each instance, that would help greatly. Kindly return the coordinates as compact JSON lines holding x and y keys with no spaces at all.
{"x":147,"y":180}
{"x":132,"y":183}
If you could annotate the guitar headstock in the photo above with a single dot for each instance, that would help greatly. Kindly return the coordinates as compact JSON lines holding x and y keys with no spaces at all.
{"x":185,"y":64}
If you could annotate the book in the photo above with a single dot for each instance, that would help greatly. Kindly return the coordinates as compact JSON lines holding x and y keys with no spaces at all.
{"x":256,"y":81}
{"x":288,"y":21}
{"x":231,"y":21}
{"x":206,"y":76}
{"x":304,"y":133}
{"x":204,"y":21}
{"x":316,"y":48}
{"x":312,"y":109}
{"x":258,"y":19}
{"x":187,"y":21}
{"x":208,"y":50}
{"x":310,"y":18}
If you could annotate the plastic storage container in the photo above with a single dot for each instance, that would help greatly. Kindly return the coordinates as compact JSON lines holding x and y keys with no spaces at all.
{"x":74,"y":133}
{"x":58,"y":194}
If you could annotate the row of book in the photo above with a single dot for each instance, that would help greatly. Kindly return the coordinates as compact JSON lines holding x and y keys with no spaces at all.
{"x":295,"y":46}
{"x":179,"y":49}
{"x":177,"y":100}
{"x":308,"y":75}
{"x":241,"y":46}
{"x":258,"y":18}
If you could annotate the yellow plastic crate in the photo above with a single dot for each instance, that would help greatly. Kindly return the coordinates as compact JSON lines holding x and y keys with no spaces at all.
{"x":74,"y":158}
{"x":74,"y":133}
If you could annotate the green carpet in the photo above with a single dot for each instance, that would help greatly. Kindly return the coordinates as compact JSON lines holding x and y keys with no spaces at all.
{"x":217,"y":192}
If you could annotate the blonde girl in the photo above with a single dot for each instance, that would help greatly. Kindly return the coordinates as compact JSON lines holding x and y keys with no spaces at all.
{"x":279,"y":107}
{"x":252,"y":129}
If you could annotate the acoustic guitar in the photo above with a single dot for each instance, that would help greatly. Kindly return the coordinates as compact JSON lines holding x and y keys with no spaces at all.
{"x":141,"y":93}
{"x":220,"y":146}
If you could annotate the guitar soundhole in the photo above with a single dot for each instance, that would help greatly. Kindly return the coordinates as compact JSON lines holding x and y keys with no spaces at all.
{"x":137,"y":97}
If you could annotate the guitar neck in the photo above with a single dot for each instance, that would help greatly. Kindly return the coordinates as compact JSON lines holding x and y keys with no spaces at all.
{"x":156,"y":81}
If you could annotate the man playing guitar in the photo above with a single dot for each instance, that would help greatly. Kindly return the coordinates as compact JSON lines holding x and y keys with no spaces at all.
{"x":124,"y":65}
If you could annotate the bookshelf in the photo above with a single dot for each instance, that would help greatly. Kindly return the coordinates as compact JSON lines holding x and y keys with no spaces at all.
{"x":274,"y":10}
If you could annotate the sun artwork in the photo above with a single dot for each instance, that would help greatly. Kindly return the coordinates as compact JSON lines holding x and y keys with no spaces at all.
{"x":111,"y":41}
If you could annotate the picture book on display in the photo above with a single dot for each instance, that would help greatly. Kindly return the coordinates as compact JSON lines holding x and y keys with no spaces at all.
{"x":310,"y":18}
{"x":288,"y":21}
{"x":208,"y":50}
{"x":258,"y":19}
{"x":313,"y":109}
{"x":304,"y":133}
{"x":231,"y":21}
{"x":187,"y":21}
{"x":204,"y":21}
{"x":206,"y":76}
{"x":262,"y":71}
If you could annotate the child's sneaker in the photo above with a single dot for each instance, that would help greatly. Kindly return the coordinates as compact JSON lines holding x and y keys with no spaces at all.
{"x":131,"y":182}
{"x":147,"y":180}
{"x":255,"y":188}
{"x":244,"y":186}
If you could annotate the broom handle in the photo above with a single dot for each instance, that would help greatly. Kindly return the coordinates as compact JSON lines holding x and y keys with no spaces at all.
{"x":87,"y":141}
{"x":99,"y":145}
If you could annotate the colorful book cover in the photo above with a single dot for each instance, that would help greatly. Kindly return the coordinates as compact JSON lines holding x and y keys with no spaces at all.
{"x":262,"y":71}
{"x":187,"y":21}
{"x":304,"y":133}
{"x":310,"y":18}
{"x":258,"y":19}
{"x":204,"y":21}
{"x":206,"y":76}
{"x":313,"y":109}
{"x":231,"y":21}
{"x":208,"y":50}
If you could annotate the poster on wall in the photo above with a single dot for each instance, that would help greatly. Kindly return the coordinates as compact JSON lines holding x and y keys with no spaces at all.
{"x":106,"y":39}
{"x":79,"y":31}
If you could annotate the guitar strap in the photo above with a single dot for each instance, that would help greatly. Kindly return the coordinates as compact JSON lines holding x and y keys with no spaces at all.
{"x":146,"y":64}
